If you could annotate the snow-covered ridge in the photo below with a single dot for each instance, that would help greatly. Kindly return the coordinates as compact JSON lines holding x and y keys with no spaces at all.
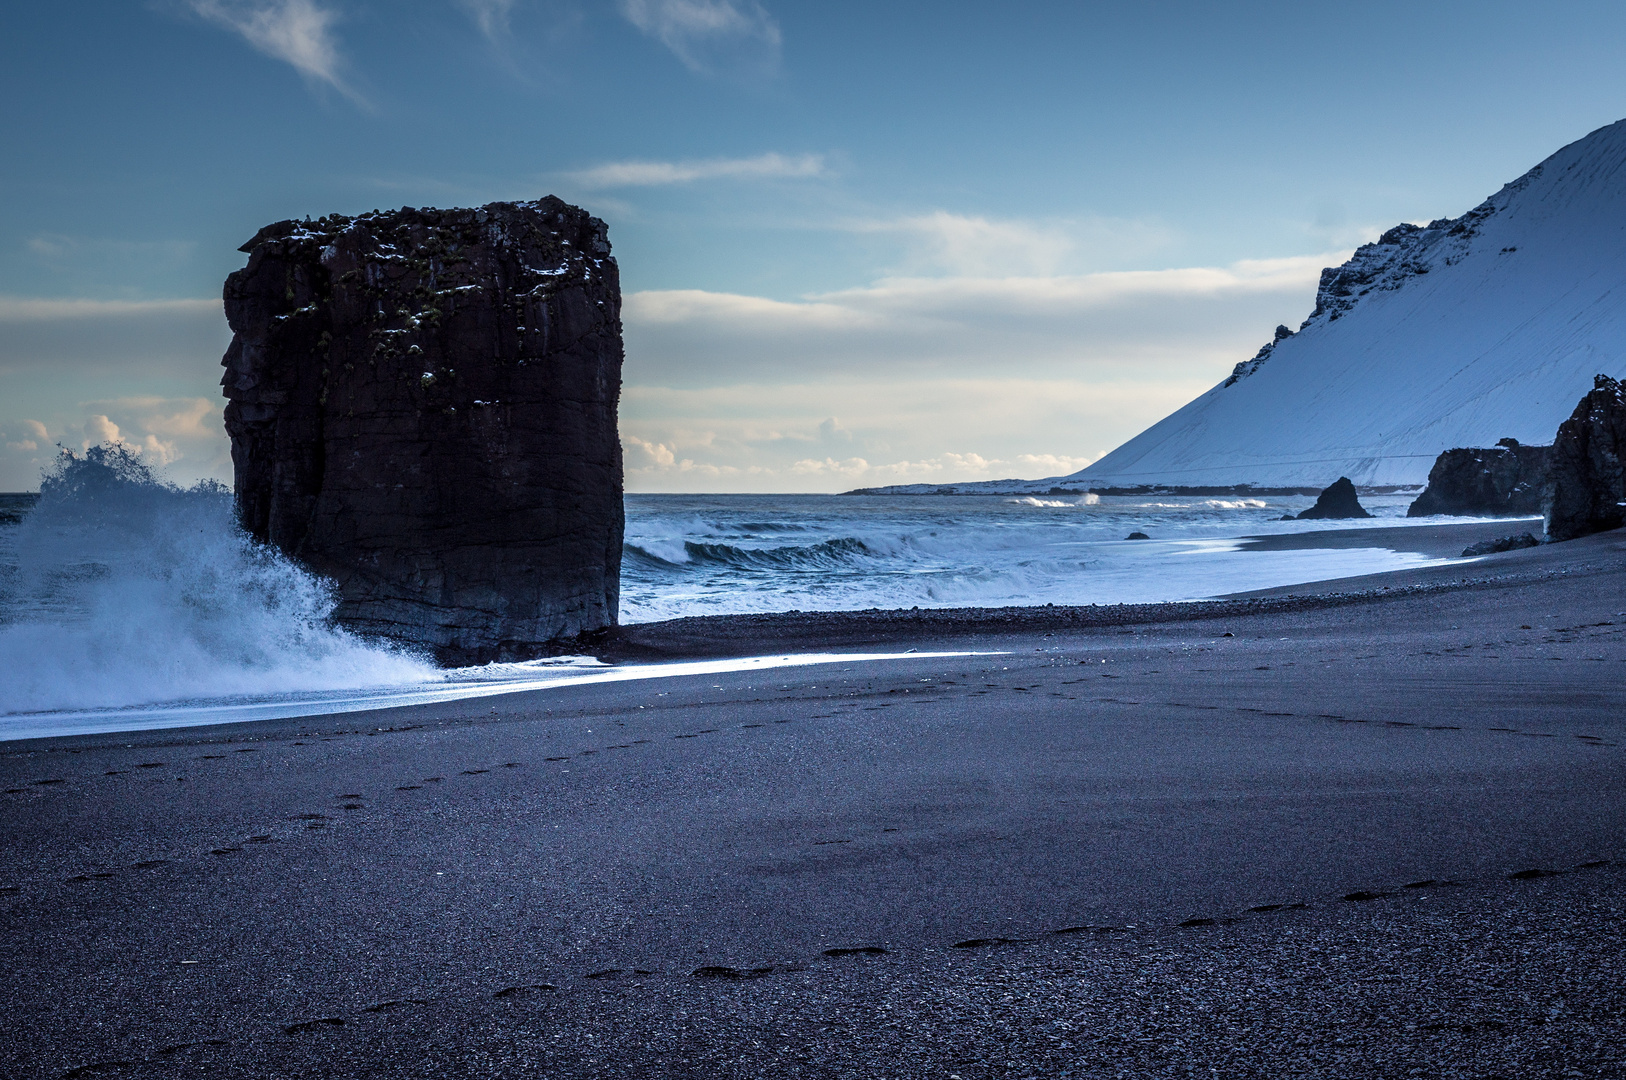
{"x":1456,"y":333}
{"x":1460,"y":332}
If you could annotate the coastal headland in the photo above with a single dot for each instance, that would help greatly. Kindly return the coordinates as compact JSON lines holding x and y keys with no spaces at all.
{"x":1372,"y":827}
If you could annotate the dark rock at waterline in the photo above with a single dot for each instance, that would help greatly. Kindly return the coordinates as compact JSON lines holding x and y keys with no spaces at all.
{"x":423,"y":408}
{"x":1337,"y":501}
{"x":1500,"y":544}
{"x":1137,"y":536}
{"x":1586,"y":473}
{"x":1500,"y":481}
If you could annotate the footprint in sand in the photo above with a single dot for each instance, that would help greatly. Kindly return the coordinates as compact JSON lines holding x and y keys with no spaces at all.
{"x":387,"y":1006}
{"x":717,"y":971}
{"x":521,"y":991}
{"x":314,"y":1025}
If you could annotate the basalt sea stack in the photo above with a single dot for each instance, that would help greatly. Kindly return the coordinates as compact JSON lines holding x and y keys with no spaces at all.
{"x":423,"y":409}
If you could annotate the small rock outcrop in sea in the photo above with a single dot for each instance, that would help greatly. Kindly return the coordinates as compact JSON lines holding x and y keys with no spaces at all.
{"x":423,"y":409}
{"x":1337,"y":501}
{"x":1500,"y":544}
{"x":1586,"y":473}
{"x":1501,"y":481}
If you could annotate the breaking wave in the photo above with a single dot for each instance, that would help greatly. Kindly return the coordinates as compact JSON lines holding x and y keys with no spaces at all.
{"x":120,"y":589}
{"x":826,"y":555}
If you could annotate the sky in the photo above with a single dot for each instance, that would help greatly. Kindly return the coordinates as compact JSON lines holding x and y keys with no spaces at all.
{"x":860,"y":243}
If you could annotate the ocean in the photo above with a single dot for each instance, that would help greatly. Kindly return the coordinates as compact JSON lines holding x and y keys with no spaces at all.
{"x":729,"y":554}
{"x":126,"y":602}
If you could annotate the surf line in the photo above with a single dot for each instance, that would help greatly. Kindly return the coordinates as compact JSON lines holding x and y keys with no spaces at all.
{"x":463,"y":684}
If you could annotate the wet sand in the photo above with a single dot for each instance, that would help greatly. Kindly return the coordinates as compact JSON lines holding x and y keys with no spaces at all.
{"x":648,"y":879}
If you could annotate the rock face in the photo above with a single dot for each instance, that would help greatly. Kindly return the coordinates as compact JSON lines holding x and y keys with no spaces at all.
{"x":1502,"y":481}
{"x":423,"y":408}
{"x":1337,"y":501}
{"x":1586,"y":475}
{"x":1499,"y":545}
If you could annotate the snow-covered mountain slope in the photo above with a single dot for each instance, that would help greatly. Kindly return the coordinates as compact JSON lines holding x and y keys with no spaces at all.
{"x":1456,"y":334}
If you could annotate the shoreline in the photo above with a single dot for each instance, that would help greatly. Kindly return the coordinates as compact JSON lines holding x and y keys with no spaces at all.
{"x":755,"y":873}
{"x":718,"y":635}
{"x":790,"y":635}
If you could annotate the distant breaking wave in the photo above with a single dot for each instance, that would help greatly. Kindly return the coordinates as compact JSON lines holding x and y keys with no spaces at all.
{"x":829,"y":554}
{"x":690,"y":555}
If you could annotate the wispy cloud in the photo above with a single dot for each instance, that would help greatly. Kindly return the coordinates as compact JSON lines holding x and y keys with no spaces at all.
{"x":975,"y":246}
{"x":934,"y":379}
{"x":710,"y":36}
{"x":768,"y":438}
{"x":491,"y":16}
{"x":299,"y":32}
{"x":20,"y":309}
{"x":978,"y":245}
{"x":656,"y":173}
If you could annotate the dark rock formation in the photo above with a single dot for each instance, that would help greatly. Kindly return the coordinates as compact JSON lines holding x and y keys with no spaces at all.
{"x":1248,"y":367}
{"x":423,"y":408}
{"x":1500,"y":544}
{"x":1502,"y":481}
{"x":1137,"y":536}
{"x":1337,"y":501}
{"x":1404,"y":252}
{"x":1586,"y":472}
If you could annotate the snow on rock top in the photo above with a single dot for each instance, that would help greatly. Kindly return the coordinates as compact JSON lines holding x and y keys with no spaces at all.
{"x":1457,"y":333}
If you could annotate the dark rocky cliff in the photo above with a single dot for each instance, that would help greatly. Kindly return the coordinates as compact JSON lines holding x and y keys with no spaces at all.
{"x":1503,"y":480}
{"x":1586,"y":475}
{"x":423,"y":408}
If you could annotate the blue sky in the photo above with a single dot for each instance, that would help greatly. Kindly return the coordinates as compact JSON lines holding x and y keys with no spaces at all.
{"x":861,"y":243}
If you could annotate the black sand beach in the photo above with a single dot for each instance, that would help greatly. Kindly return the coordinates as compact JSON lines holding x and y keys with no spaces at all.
{"x":1374,"y":827}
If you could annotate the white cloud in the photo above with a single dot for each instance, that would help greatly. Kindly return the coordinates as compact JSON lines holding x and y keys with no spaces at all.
{"x":183,"y":436}
{"x":947,"y":467}
{"x":1178,"y":321}
{"x":648,"y":454}
{"x":654,"y":173}
{"x":710,"y":35}
{"x":977,"y":246}
{"x":491,"y":16}
{"x":154,"y":364}
{"x":99,"y":429}
{"x":1053,"y":464}
{"x":26,"y":435}
{"x":755,"y":437}
{"x":299,"y":32}
{"x":935,"y":380}
{"x":19,"y":309}
{"x":973,"y":246}
{"x":163,"y":430}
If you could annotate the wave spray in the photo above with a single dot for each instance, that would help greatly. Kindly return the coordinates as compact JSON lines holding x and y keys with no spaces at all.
{"x":121,"y":589}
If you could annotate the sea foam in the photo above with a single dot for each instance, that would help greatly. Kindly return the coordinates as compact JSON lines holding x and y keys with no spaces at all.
{"x":120,"y":589}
